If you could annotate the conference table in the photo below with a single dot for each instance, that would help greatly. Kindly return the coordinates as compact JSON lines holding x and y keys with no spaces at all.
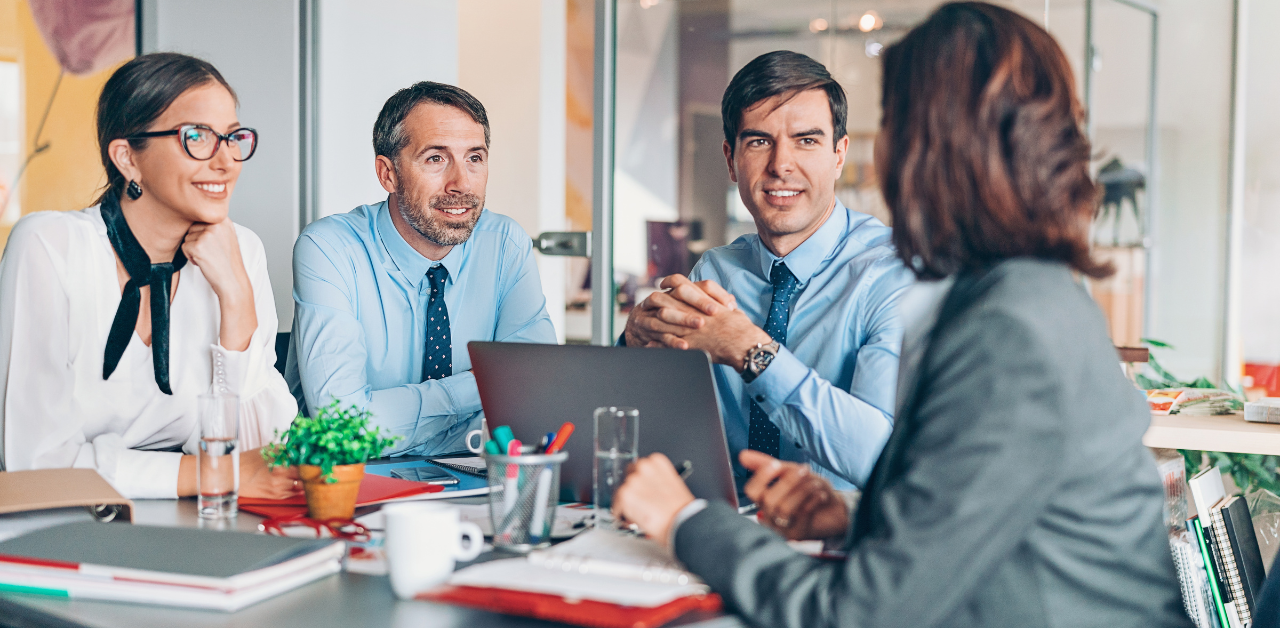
{"x":344,"y":599}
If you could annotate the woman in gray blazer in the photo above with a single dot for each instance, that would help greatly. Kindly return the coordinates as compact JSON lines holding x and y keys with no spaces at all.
{"x":1014,"y":489}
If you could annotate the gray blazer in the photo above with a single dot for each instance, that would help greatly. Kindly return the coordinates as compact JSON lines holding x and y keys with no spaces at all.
{"x":1014,"y":490}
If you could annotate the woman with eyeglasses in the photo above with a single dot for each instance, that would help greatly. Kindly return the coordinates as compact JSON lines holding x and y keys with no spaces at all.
{"x":116,"y":318}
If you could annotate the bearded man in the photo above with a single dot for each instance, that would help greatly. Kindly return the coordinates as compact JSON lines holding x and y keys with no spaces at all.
{"x":388,"y":295}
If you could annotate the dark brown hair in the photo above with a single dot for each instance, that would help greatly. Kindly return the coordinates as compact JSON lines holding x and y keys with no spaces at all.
{"x":981,"y":156}
{"x":389,"y":137}
{"x":774,"y":73}
{"x":138,"y":93}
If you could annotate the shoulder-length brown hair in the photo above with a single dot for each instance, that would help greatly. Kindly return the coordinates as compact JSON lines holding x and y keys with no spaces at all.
{"x":981,"y":156}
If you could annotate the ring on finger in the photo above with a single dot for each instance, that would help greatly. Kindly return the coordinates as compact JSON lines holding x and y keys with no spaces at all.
{"x":781,"y":522}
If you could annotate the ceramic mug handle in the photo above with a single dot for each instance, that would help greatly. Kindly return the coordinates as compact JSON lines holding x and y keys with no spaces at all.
{"x":479,"y":446}
{"x":475,"y":541}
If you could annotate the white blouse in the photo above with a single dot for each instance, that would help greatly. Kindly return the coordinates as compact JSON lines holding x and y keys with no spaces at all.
{"x":58,"y":296}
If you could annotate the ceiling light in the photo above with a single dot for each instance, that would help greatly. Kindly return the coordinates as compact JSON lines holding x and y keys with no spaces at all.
{"x":873,"y":48}
{"x":870,"y":21}
{"x":817,"y":25}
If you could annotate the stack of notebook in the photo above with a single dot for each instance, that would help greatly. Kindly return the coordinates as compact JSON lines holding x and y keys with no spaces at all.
{"x":1222,"y":569}
{"x":166,"y":566}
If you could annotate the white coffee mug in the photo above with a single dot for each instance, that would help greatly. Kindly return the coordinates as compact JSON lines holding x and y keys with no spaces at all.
{"x":481,"y":435}
{"x":423,"y":541}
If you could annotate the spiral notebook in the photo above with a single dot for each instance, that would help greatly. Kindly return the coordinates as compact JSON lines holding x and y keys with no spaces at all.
{"x":625,"y":581}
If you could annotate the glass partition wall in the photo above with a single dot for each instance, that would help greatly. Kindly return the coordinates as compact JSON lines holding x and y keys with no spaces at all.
{"x":1158,"y":79}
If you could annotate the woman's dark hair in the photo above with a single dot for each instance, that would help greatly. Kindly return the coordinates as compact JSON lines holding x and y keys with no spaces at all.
{"x":981,"y":156}
{"x":138,"y":93}
{"x":775,"y":73}
{"x":389,"y":137}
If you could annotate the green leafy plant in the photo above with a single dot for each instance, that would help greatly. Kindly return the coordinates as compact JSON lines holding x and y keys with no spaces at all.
{"x":1250,"y":471}
{"x":1163,"y":379}
{"x":336,"y":436}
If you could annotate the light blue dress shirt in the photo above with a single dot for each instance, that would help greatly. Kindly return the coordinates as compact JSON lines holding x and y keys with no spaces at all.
{"x":831,"y":390}
{"x":359,"y":327}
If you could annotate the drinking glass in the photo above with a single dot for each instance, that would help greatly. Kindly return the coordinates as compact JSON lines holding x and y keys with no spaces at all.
{"x":617,"y":440}
{"x":217,"y":459}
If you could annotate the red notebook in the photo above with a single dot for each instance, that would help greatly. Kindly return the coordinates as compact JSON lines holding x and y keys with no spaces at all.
{"x":374,"y":489}
{"x":579,"y":613}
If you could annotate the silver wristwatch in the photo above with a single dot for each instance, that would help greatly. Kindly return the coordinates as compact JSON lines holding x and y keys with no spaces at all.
{"x":758,"y":359}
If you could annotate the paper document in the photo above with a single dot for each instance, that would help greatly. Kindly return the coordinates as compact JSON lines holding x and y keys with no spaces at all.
{"x":518,"y":574}
{"x":599,"y":565}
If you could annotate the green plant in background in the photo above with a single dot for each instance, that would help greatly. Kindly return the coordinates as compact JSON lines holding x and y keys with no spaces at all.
{"x":1166,"y":380}
{"x":1250,"y":471}
{"x":336,"y":436}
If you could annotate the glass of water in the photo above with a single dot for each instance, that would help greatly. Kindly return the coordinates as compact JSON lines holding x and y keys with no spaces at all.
{"x":217,"y":460}
{"x":617,"y":438}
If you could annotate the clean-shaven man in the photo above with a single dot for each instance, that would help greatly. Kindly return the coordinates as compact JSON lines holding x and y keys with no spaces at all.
{"x":388,"y":295}
{"x":800,"y":318}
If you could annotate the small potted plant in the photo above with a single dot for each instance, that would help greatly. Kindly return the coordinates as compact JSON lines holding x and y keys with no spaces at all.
{"x":329,"y":451}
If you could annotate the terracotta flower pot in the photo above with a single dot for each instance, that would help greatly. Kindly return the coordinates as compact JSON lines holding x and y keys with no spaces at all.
{"x":331,"y":501}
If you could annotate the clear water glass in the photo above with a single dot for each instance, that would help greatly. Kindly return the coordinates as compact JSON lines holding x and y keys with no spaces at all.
{"x":217,"y":457}
{"x":617,"y":441}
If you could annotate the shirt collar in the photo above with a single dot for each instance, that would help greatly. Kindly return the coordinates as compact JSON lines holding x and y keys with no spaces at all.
{"x":411,"y":263}
{"x":803,"y":262}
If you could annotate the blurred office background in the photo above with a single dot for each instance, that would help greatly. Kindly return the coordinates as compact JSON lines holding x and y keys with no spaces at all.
{"x":1179,"y":95}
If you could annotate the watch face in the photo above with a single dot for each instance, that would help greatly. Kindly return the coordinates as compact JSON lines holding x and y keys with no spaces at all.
{"x":761,"y":359}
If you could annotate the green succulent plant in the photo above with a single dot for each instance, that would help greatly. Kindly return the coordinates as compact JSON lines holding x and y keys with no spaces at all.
{"x":336,"y":436}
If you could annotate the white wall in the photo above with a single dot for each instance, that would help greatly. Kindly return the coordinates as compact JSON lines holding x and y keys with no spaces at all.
{"x":1261,"y":298}
{"x":255,"y":46}
{"x":368,"y":49}
{"x":512,"y":58}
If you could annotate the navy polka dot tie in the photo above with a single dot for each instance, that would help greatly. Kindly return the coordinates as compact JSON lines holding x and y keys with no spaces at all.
{"x":763,"y":435}
{"x":439,"y":361}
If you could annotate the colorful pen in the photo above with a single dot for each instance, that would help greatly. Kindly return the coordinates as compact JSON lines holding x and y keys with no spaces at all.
{"x":511,"y":487}
{"x":503,"y":435}
{"x":540,"y":506}
{"x":561,"y":436}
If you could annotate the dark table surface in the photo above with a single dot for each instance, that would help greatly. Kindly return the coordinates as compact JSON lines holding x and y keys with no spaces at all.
{"x":344,"y":599}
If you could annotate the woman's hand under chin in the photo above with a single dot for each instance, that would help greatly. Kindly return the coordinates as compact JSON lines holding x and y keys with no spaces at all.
{"x":214,"y":248}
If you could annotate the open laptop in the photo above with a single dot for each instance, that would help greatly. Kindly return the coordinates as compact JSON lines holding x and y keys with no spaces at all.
{"x":534,"y":388}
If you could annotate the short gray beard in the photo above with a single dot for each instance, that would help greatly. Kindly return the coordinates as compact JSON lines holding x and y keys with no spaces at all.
{"x":428,"y":224}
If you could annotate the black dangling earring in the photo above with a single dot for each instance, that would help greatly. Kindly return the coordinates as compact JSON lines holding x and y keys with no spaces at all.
{"x":133,"y":190}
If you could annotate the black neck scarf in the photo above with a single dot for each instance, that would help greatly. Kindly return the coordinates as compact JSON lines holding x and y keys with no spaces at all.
{"x":141,"y":273}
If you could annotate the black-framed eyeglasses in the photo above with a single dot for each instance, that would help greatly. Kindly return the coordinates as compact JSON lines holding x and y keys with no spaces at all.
{"x":202,"y":142}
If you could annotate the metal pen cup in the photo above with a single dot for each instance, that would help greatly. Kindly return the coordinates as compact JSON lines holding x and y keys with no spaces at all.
{"x":523,"y":493}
